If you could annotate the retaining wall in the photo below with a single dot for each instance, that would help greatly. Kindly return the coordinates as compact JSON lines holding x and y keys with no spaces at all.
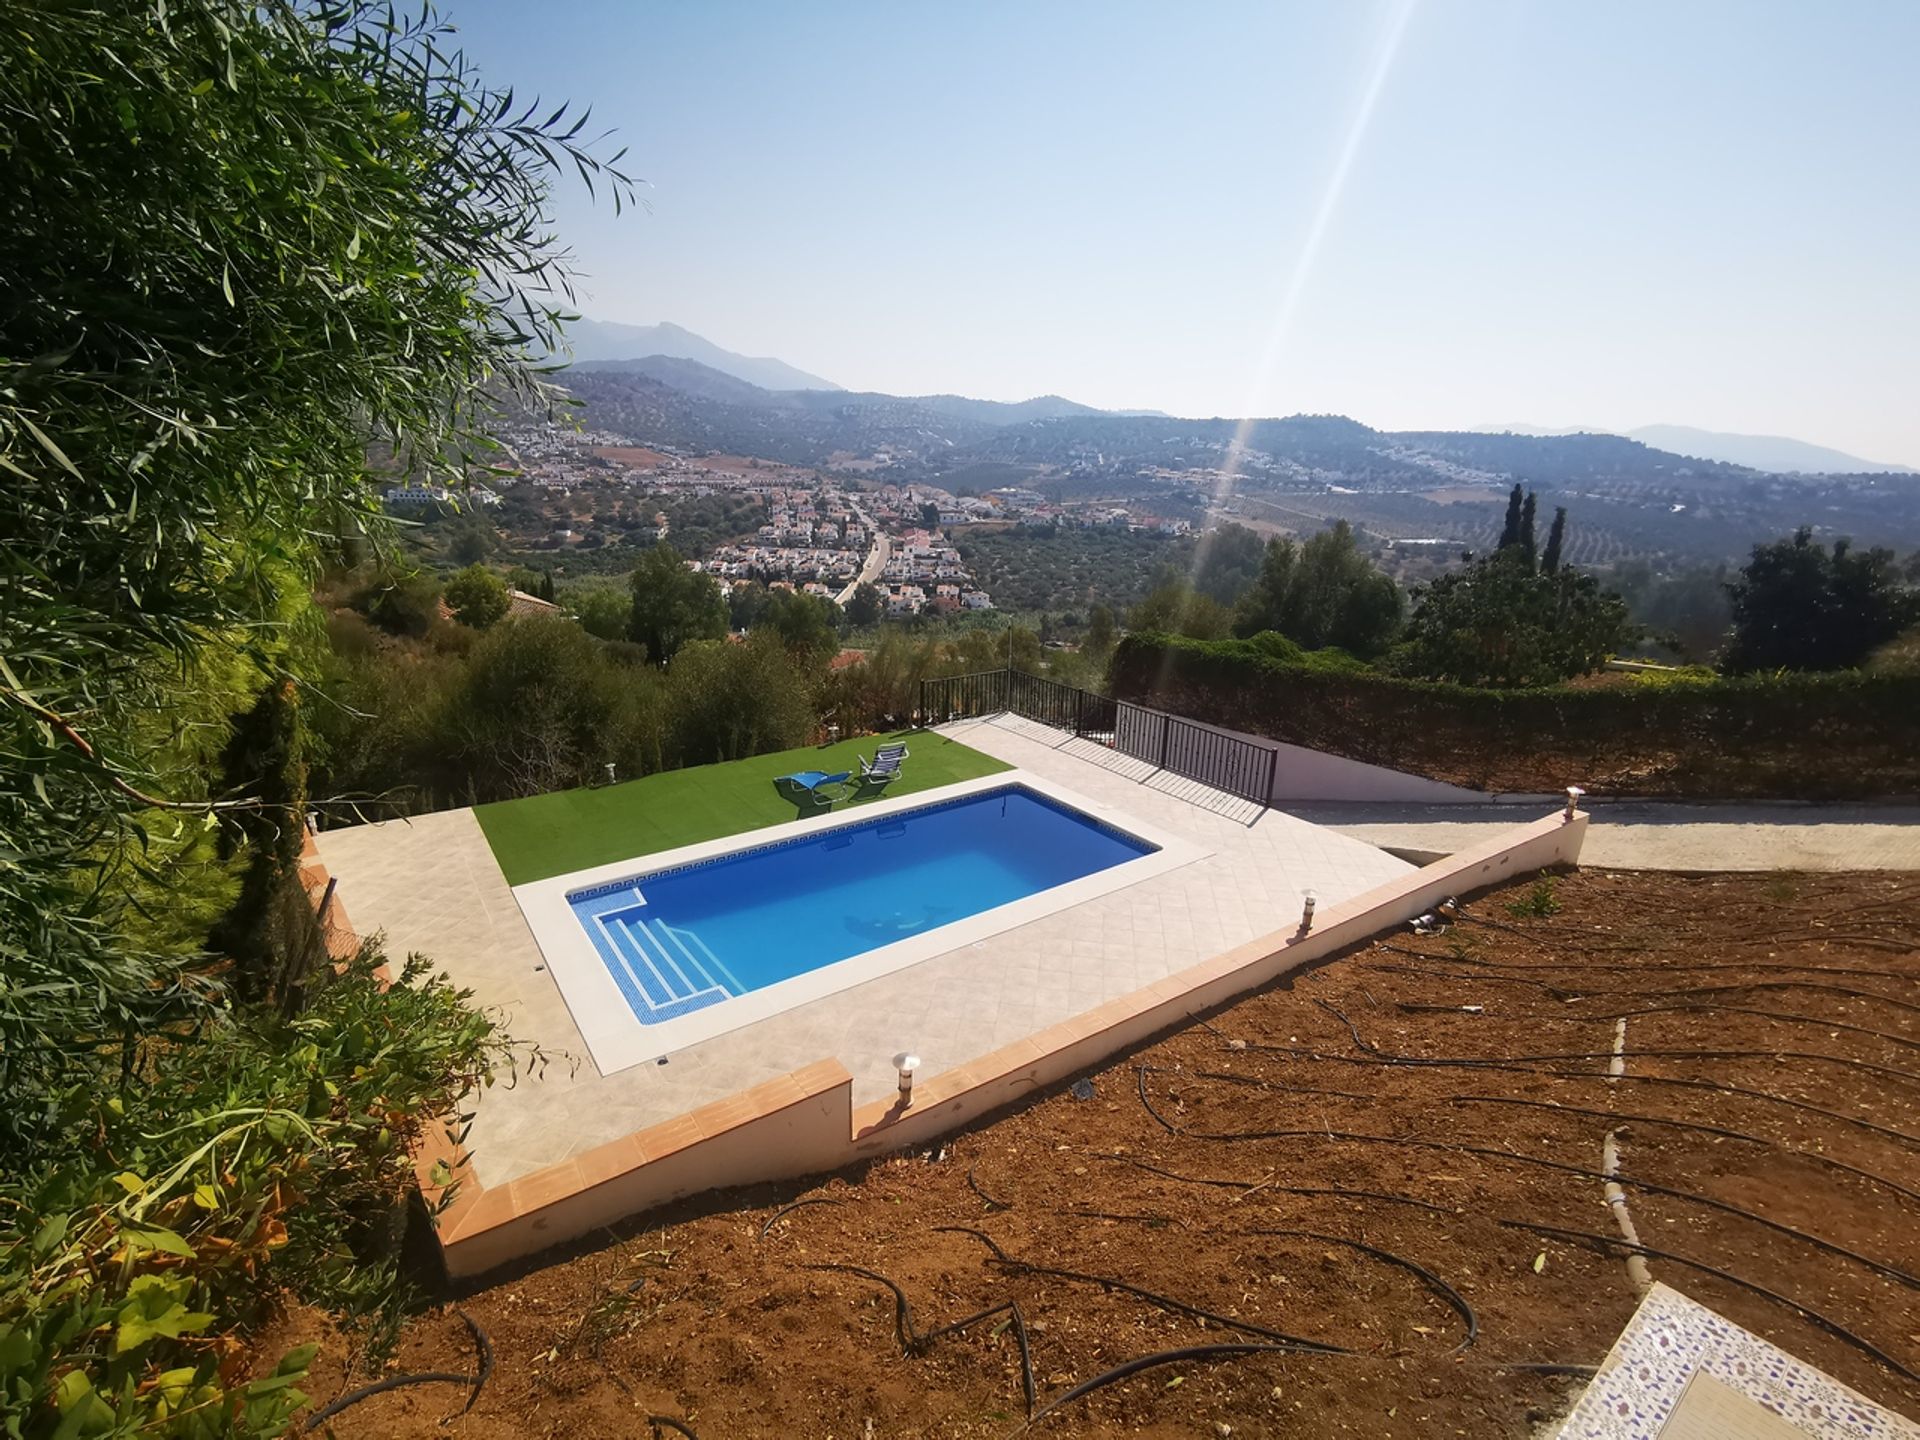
{"x":804,"y":1123}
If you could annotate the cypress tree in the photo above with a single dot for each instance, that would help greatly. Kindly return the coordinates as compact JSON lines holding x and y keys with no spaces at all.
{"x":1529,"y":542}
{"x":1510,"y":532}
{"x":1556,"y":540}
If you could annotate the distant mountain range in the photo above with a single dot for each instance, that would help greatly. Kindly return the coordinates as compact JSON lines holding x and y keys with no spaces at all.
{"x":691,"y":365}
{"x":1774,"y":454}
{"x":609,"y":340}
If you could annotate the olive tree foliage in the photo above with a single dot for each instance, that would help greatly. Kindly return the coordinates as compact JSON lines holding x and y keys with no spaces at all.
{"x":243,"y":243}
{"x":673,"y":605}
{"x":1799,"y":606}
{"x":1502,"y":622}
{"x":1322,"y":592}
{"x":477,"y":597}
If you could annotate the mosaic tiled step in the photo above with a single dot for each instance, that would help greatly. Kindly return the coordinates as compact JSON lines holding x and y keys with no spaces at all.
{"x":663,"y":970}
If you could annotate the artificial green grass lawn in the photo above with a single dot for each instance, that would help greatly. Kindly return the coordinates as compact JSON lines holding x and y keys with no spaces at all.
{"x":554,"y":834}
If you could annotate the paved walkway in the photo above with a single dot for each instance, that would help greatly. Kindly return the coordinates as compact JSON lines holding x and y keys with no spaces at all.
{"x":432,"y":886}
{"x":1659,"y":835}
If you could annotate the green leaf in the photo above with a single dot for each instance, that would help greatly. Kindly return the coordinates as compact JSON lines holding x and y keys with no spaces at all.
{"x":155,"y":1309}
{"x":155,"y":1237}
{"x":130,"y":1182}
{"x":49,"y":1235}
{"x":82,"y":1411}
{"x":226,"y":282}
{"x":46,"y":444}
{"x":206,"y":1197}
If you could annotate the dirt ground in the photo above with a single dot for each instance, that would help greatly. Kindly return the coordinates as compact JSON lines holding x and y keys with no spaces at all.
{"x":633,"y":455}
{"x":1345,"y":1165}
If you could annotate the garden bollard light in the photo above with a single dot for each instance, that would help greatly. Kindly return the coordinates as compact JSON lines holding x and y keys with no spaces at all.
{"x":906,"y":1062}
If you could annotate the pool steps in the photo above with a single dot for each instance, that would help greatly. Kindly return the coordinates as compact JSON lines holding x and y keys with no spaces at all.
{"x":663,"y":970}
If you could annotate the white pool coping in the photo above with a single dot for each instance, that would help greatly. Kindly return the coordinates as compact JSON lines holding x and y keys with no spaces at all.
{"x":618,"y":1040}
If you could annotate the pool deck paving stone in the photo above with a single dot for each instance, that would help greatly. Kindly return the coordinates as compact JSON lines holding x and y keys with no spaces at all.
{"x":431,"y":884}
{"x":1660,"y":835}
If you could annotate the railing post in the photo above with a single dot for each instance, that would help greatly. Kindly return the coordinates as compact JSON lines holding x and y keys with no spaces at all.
{"x":1273,"y":774}
{"x":1078,"y":696}
{"x":1166,"y":734}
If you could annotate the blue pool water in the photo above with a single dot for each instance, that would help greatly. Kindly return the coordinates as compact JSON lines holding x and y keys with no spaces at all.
{"x":680,"y":939}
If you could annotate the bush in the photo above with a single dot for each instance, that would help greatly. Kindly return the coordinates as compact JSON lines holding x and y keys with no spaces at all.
{"x":1322,"y":593}
{"x":262,"y":1149}
{"x":1800,"y":606}
{"x":727,"y":701}
{"x":403,"y":605}
{"x":477,"y":597}
{"x":1795,"y":736}
{"x":541,"y":706}
{"x":1502,"y":622}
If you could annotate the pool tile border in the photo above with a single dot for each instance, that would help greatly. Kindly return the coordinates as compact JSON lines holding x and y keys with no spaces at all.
{"x":618,"y":1042}
{"x":804,"y":1122}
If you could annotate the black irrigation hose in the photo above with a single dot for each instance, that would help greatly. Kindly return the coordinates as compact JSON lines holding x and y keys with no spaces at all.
{"x":654,"y":1422}
{"x":1904,"y":1076}
{"x":1562,"y":993}
{"x":1163,"y":1302}
{"x":1432,"y":1281}
{"x":1555,"y":990}
{"x":1249,"y":1186}
{"x":1814,"y":1317}
{"x":911,"y":1340}
{"x":1256,"y":1084}
{"x":786,"y":1210}
{"x":1152,"y":1362}
{"x":483,"y":1359}
{"x":1548,"y":1367}
{"x":1508,"y":1065}
{"x":1843,"y":990}
{"x":1794,"y":1150}
{"x":1585,"y":965}
{"x":974,"y":1185}
{"x":1617,"y":1116}
{"x":380,"y":1387}
{"x":1129,"y":1219}
{"x":1892,"y":1272}
{"x":1784,"y":1016}
{"x":1018,"y":1322}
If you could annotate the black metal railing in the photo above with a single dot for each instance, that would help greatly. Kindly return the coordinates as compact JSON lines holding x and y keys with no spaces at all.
{"x":1172,"y":743}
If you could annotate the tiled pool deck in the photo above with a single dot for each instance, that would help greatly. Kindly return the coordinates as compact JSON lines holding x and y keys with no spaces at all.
{"x":432,"y":886}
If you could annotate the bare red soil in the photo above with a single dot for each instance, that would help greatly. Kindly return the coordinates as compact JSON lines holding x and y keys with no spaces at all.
{"x":1357,"y":1159}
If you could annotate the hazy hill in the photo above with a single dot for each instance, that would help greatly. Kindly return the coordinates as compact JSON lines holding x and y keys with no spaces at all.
{"x":1779,"y":454}
{"x":1000,"y":412}
{"x":609,"y":340}
{"x":1770,"y":454}
{"x":689,"y":377}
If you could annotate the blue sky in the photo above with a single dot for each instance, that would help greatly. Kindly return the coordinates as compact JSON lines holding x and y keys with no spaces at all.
{"x":1431,"y":214}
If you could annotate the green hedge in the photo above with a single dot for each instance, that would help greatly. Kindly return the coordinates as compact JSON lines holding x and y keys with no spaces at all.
{"x":1849,"y":735}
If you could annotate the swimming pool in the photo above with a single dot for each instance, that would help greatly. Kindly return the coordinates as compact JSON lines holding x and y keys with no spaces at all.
{"x":684,"y":937}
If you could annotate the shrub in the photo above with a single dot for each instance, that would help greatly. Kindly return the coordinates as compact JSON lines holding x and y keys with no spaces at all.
{"x":1540,"y":901}
{"x":1802,"y":736}
{"x":477,"y":597}
{"x":404,"y":605}
{"x":727,"y":701}
{"x":1800,"y":606}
